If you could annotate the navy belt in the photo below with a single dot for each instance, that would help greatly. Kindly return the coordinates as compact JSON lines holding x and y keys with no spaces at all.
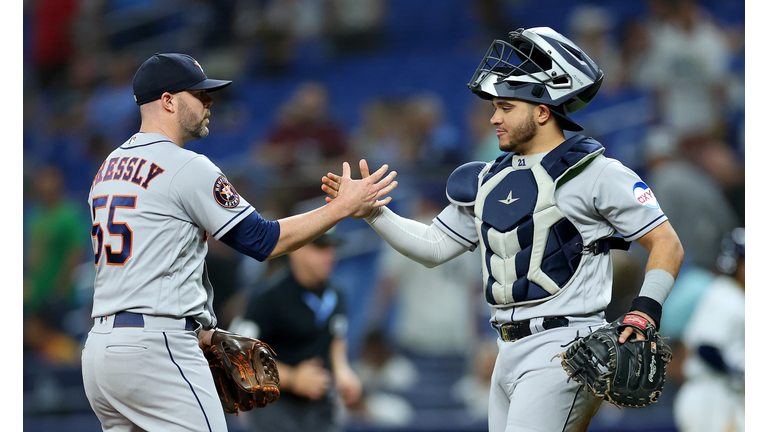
{"x":520,"y":329}
{"x":130,"y":319}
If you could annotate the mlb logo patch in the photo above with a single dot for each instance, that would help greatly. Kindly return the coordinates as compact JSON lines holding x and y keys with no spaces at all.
{"x":644,"y":196}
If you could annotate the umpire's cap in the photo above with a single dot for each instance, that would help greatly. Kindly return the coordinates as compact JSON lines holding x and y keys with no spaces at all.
{"x":171,"y":73}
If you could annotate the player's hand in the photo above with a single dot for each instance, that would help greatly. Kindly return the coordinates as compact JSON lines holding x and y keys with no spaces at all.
{"x":204,"y":338}
{"x":627,"y":333}
{"x":310,"y":379}
{"x":331,"y":181}
{"x":364,"y":195}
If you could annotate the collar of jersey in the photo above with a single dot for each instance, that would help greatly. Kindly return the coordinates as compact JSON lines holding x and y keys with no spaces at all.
{"x":141,"y":139}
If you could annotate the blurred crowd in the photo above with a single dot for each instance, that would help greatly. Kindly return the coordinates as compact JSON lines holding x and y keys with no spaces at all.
{"x":671,"y":108}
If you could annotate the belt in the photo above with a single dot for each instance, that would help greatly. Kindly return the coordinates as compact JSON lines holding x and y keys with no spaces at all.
{"x":130,"y":319}
{"x":520,"y":329}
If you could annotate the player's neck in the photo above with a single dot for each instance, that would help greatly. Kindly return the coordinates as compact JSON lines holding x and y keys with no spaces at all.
{"x":172,"y":133}
{"x":546,"y":139}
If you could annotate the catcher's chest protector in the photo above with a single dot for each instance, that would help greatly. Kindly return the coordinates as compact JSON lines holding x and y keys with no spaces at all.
{"x":530,"y":250}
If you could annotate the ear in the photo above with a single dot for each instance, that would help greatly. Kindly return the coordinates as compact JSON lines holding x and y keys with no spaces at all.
{"x":543,"y":114}
{"x":169,"y":102}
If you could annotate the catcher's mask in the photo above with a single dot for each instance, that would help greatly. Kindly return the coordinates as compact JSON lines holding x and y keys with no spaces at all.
{"x":541,"y":66}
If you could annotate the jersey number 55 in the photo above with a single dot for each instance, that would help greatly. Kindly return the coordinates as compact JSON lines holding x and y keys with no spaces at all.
{"x":120,"y":229}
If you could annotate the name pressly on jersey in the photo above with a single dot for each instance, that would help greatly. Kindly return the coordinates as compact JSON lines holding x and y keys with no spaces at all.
{"x":127,"y":169}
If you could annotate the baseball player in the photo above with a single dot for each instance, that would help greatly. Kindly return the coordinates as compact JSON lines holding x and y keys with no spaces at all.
{"x":154,"y":207}
{"x":545,"y":215}
{"x":712,"y":397}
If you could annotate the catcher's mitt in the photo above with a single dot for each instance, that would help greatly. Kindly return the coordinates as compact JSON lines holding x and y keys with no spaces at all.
{"x":627,"y":375}
{"x":244,"y":371}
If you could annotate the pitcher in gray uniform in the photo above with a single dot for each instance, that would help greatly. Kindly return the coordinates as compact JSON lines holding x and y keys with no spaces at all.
{"x":545,"y":214}
{"x":154,"y":206}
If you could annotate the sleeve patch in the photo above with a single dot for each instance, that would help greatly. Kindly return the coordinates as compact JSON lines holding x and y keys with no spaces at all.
{"x":644,"y":196}
{"x":225,"y":194}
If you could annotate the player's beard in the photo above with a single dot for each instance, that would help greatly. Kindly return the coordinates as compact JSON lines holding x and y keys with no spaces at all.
{"x":190,"y":123}
{"x":520,"y":137}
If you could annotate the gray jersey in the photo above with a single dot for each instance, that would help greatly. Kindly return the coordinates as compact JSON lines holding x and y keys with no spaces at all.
{"x":154,"y":206}
{"x":606,"y":198}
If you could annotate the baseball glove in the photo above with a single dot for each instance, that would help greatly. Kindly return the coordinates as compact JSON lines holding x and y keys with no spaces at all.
{"x":244,"y":371}
{"x":627,"y":375}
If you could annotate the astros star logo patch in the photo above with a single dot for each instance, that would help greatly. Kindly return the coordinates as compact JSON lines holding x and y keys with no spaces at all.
{"x":225,"y":193}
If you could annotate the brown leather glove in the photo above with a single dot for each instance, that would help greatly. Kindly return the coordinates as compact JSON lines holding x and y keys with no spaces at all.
{"x":244,"y":371}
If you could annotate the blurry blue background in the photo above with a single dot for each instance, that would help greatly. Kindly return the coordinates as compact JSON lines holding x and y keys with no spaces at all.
{"x":386,"y":79}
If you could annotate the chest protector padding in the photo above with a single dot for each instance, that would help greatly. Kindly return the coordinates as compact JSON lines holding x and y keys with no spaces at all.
{"x":530,"y":250}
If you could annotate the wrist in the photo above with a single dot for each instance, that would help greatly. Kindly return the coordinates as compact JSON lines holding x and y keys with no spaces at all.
{"x":374,"y":214}
{"x":649,"y":308}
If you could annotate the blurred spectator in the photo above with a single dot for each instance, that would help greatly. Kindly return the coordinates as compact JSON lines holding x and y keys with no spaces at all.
{"x":379,"y":137}
{"x":53,"y":29}
{"x":48,"y":343}
{"x":687,"y":67}
{"x":482,"y":134}
{"x":306,"y":138}
{"x":634,"y":45}
{"x":355,"y":25}
{"x":384,"y":373}
{"x":432,"y":143}
{"x":279,"y":28}
{"x":474,"y":388}
{"x":693,"y":200}
{"x":423,"y":299}
{"x":302,"y":316}
{"x":591,"y":28}
{"x":57,"y":229}
{"x":491,"y":23}
{"x":381,"y":367}
{"x":720,"y":161}
{"x":111,"y":110}
{"x":712,"y":397}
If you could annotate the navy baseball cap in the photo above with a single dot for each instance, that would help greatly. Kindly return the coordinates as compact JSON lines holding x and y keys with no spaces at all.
{"x":171,"y":73}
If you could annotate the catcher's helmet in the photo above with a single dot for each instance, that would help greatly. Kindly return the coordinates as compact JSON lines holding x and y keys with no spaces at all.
{"x":731,"y":249}
{"x":542,"y":66}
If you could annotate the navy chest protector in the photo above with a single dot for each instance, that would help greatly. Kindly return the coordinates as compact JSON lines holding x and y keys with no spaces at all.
{"x":530,"y":250}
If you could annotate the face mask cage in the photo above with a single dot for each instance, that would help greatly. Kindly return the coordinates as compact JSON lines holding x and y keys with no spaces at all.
{"x":521,"y":58}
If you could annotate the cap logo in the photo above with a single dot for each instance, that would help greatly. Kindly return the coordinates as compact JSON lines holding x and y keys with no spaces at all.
{"x":225,"y":194}
{"x":644,"y":196}
{"x":198,"y":65}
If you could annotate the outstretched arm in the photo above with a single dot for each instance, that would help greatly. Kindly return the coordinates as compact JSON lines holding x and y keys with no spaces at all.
{"x":263,"y":240}
{"x":354,"y":198}
{"x":425,"y":244}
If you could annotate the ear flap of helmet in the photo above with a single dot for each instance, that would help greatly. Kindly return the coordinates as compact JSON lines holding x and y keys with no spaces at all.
{"x":583,"y":99}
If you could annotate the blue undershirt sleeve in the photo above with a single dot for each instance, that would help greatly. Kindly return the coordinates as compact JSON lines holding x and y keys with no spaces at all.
{"x":253,"y":236}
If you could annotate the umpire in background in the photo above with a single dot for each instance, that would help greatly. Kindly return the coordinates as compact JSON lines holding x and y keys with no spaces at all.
{"x":302,"y":316}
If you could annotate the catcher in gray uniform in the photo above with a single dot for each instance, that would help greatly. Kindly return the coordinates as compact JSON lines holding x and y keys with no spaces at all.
{"x":155,"y":206}
{"x":545,"y":214}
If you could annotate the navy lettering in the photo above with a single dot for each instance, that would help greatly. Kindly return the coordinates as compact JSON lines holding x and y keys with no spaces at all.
{"x":110,"y":167}
{"x":129,"y":171}
{"x":120,"y":168}
{"x":136,"y":179}
{"x":98,"y":178}
{"x":154,"y":171}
